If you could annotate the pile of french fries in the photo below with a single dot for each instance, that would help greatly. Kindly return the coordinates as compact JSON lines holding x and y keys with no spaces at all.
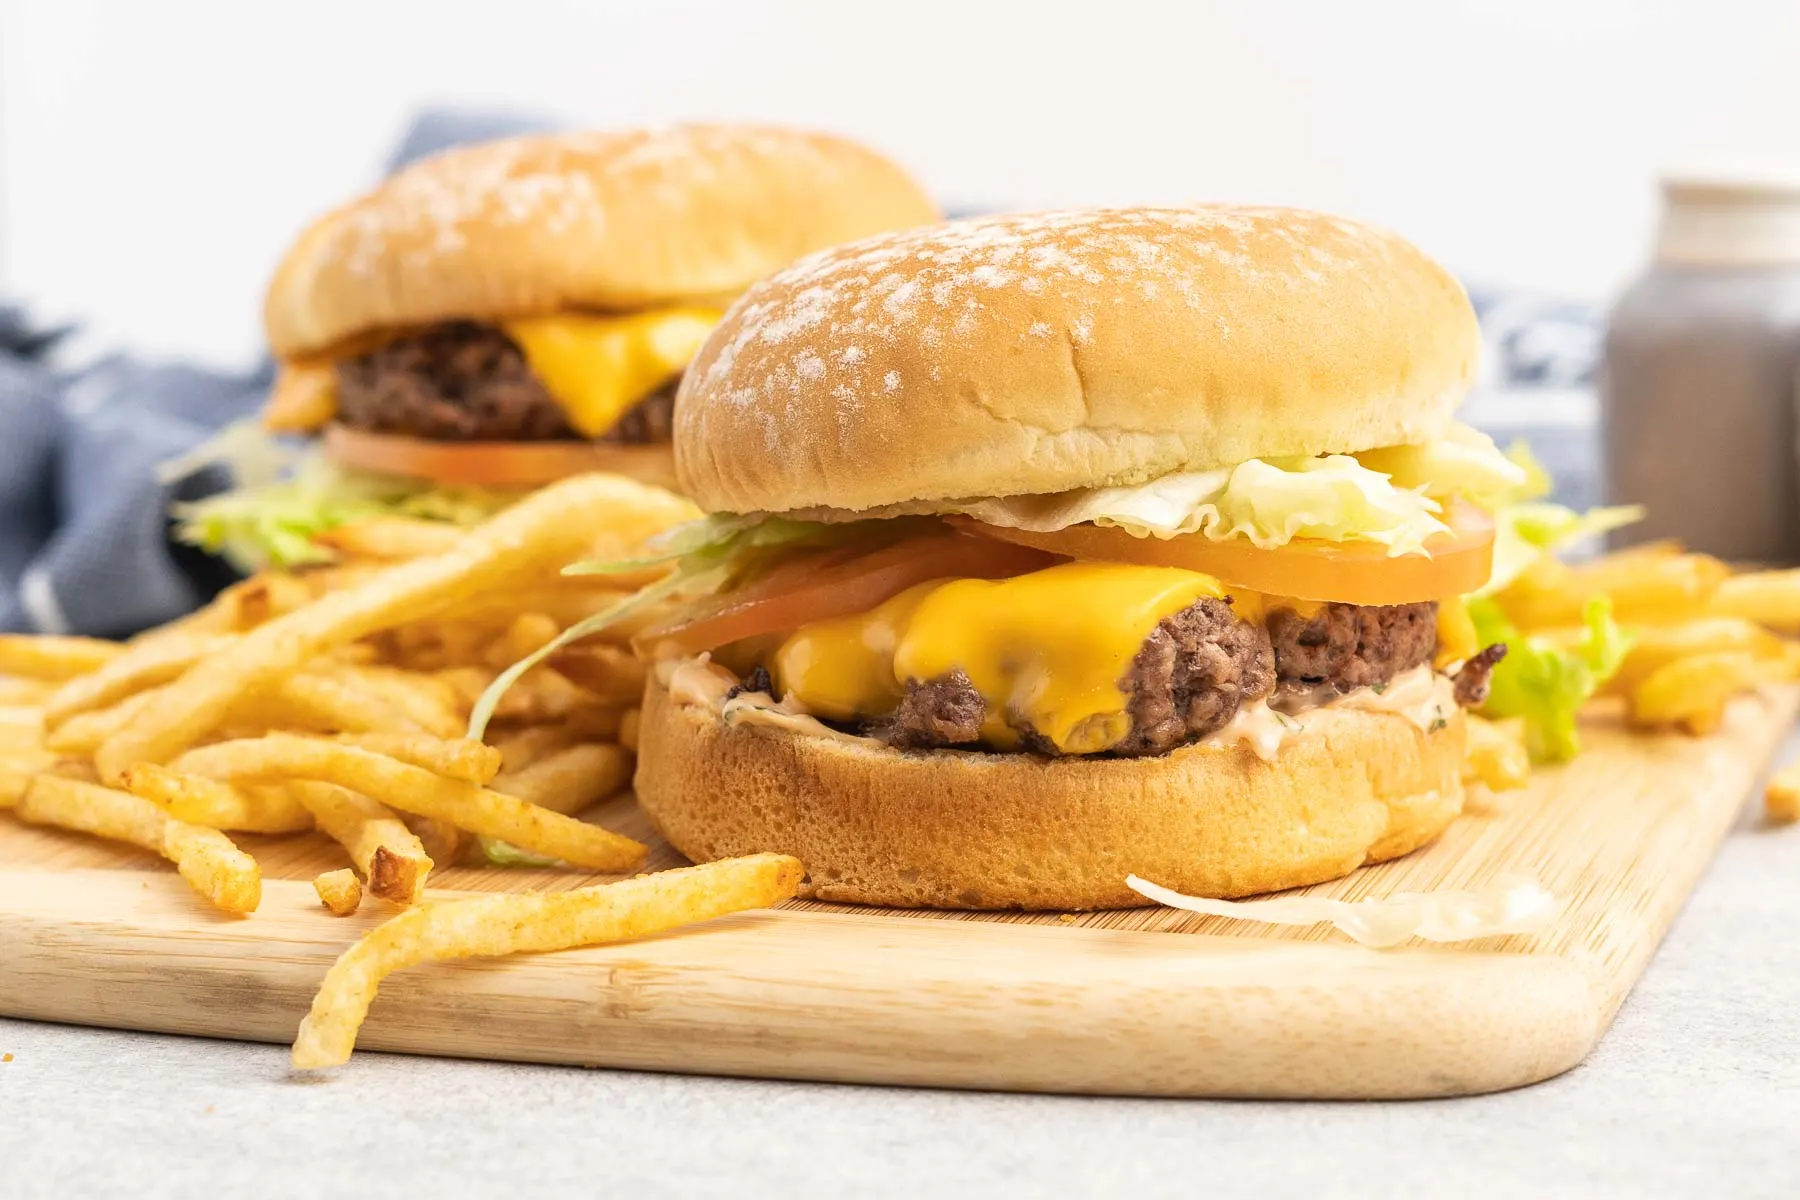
{"x":336,"y":699}
{"x":1701,"y":634}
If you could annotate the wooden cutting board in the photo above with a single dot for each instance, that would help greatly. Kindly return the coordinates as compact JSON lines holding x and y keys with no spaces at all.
{"x":1147,"y":1001}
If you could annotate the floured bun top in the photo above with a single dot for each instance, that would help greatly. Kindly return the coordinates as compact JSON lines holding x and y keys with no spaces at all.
{"x":604,"y":222}
{"x":1028,"y":354}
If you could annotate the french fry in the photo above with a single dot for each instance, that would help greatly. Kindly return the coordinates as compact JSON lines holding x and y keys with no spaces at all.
{"x":444,"y":842}
{"x":429,"y":703}
{"x":1770,"y":598}
{"x":528,"y":633}
{"x":83,"y":733}
{"x":17,"y":769}
{"x":303,"y":400}
{"x":628,"y":729}
{"x":541,"y":694}
{"x":570,"y":780}
{"x":325,"y":704}
{"x":1642,"y":588}
{"x":453,"y":758}
{"x":1495,"y":753}
{"x":1692,"y":692}
{"x":522,"y":747}
{"x":385,"y":851}
{"x":15,"y":690}
{"x":390,"y":538}
{"x":610,"y":672}
{"x":1782,"y":799}
{"x":548,"y":527}
{"x":21,"y":727}
{"x":492,"y":926}
{"x":206,"y":858}
{"x":339,"y":891}
{"x":202,"y":801}
{"x":54,"y":658}
{"x":144,"y":665}
{"x":1656,"y":645}
{"x":414,"y":789}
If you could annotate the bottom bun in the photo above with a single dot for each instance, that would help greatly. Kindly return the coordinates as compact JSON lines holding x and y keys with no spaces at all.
{"x":961,"y":829}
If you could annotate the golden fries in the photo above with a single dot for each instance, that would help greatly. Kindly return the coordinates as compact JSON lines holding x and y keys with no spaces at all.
{"x":414,"y":789}
{"x":390,"y":538}
{"x":1642,"y":587}
{"x":453,"y":758}
{"x":1495,"y":754}
{"x":610,"y":672}
{"x":548,"y":527}
{"x":206,"y":858}
{"x":572,"y":779}
{"x":1655,"y":646}
{"x":322,"y":704}
{"x":1770,"y":598}
{"x":528,"y":633}
{"x":428,"y":703}
{"x":82,"y":734}
{"x":489,"y":926}
{"x":628,"y":730}
{"x":339,"y":891}
{"x":144,"y":665}
{"x":54,"y":658}
{"x":1782,"y":799}
{"x":385,"y":851}
{"x":202,"y":801}
{"x":1692,"y":692}
{"x":14,"y":690}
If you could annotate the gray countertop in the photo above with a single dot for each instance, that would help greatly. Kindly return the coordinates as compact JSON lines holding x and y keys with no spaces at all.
{"x":1694,"y":1092}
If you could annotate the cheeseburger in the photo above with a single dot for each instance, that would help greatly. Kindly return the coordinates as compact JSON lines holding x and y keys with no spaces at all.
{"x":505,"y":314}
{"x":1050,"y":549}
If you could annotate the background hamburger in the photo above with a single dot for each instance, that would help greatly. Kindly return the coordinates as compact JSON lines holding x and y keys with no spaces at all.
{"x":503,"y":315}
{"x":1050,"y":549}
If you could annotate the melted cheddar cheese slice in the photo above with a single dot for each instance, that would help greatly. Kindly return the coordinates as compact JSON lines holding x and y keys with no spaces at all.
{"x":598,"y":367}
{"x":595,"y":367}
{"x":1045,"y":650}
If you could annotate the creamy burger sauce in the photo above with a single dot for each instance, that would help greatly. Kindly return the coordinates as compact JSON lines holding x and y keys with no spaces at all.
{"x":1421,"y":697}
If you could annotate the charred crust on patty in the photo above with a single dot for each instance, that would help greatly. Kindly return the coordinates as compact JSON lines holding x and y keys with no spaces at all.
{"x":934,"y":713}
{"x":461,"y":381}
{"x":759,"y":680}
{"x":1192,"y":674}
{"x":1472,"y":678}
{"x":1351,"y":646}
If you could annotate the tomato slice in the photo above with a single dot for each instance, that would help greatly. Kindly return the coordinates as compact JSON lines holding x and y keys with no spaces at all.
{"x":1347,"y":572}
{"x":495,"y":464}
{"x":837,"y":582}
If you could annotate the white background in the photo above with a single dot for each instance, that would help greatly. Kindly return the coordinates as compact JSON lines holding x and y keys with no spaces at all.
{"x":155,"y":157}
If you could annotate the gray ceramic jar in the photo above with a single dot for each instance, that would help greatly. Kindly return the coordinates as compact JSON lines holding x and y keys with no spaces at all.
{"x":1702,"y":373}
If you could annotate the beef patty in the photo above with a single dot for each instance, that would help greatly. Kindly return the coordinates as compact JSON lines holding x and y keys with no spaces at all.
{"x":1350,"y":645}
{"x":1188,"y":680}
{"x":464,"y":382}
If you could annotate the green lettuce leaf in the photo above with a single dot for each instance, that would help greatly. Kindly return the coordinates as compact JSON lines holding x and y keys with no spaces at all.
{"x":1547,"y":684}
{"x":1271,"y":502}
{"x":1526,"y":531}
{"x":505,"y":854}
{"x":285,"y":495}
{"x":1465,"y":462}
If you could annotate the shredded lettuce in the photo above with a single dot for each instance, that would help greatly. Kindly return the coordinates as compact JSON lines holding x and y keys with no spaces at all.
{"x":1465,"y":462}
{"x":505,"y":854}
{"x":1511,"y":905}
{"x":1527,"y":531}
{"x":1270,"y":502}
{"x":285,"y":495}
{"x":1547,"y":684}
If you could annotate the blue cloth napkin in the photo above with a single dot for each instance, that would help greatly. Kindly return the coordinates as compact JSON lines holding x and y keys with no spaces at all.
{"x":84,"y":528}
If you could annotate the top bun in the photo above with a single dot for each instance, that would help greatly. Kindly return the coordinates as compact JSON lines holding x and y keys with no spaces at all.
{"x":596,"y":221}
{"x":1018,"y":355}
